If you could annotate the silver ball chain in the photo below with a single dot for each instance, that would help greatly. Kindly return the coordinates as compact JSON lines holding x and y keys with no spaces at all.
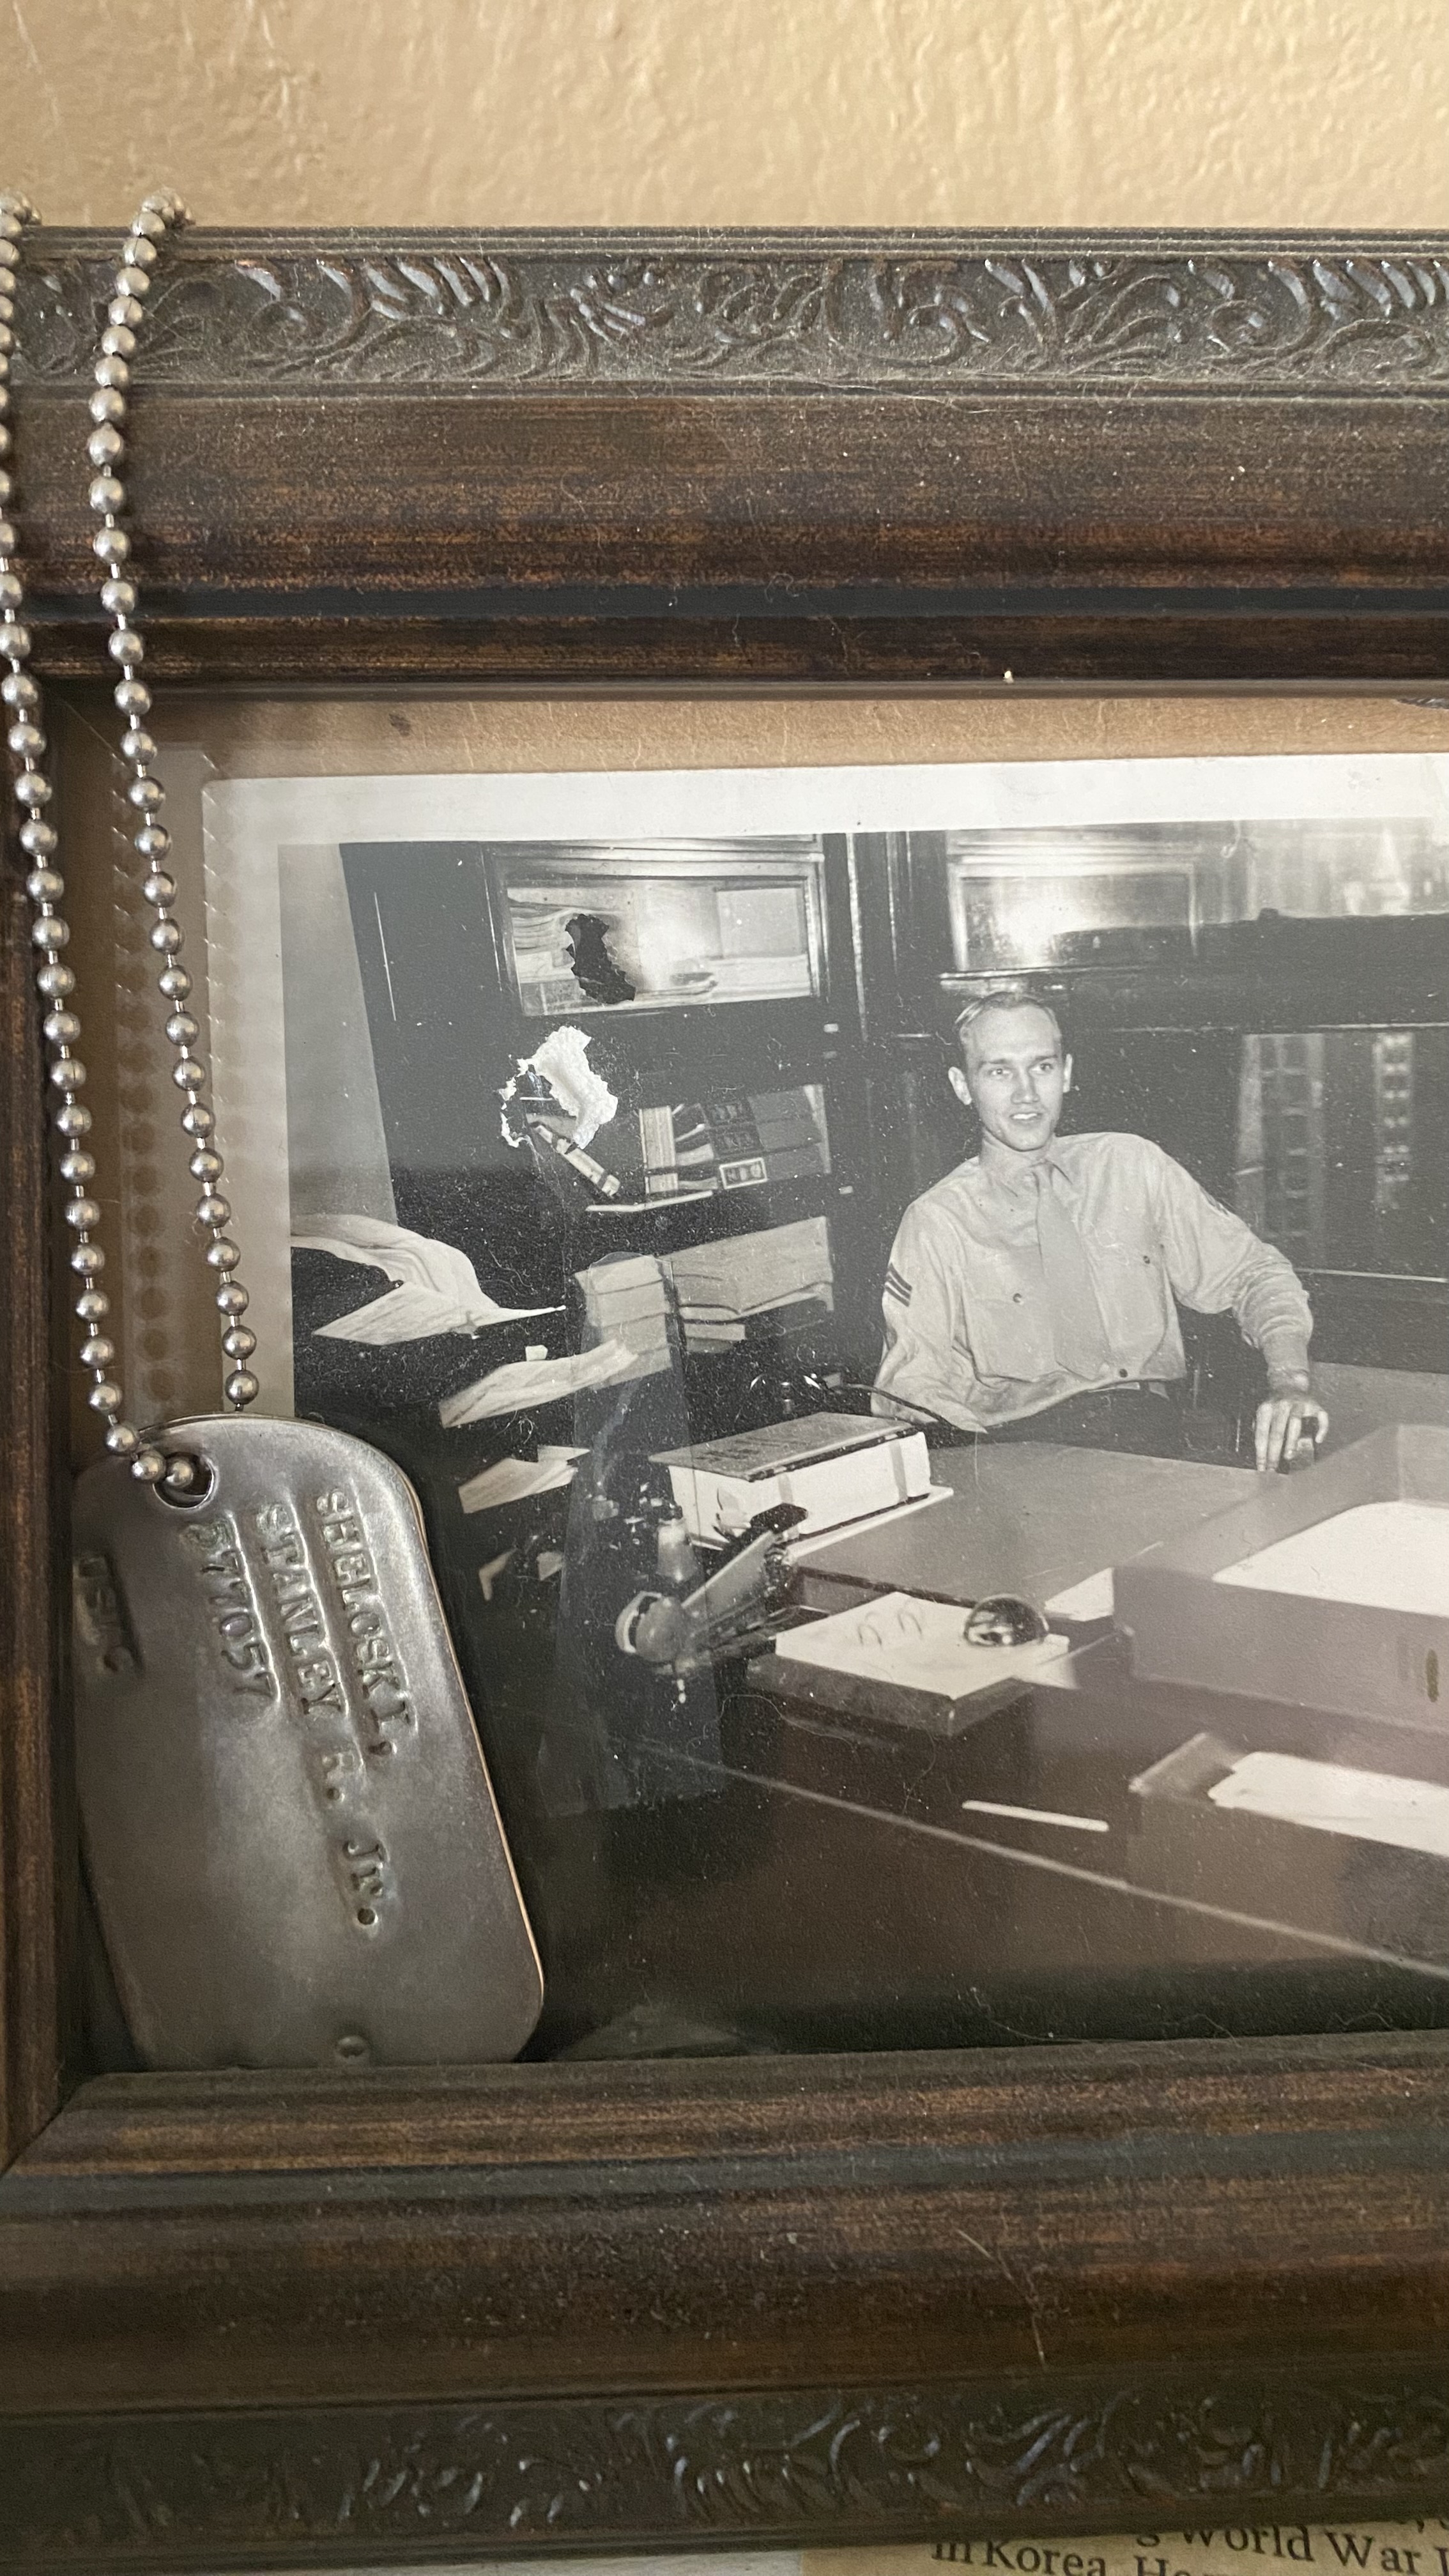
{"x":25,"y":737}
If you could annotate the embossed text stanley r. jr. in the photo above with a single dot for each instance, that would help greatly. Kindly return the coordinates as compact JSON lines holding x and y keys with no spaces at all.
{"x":310,"y":1612}
{"x":314,"y":1668}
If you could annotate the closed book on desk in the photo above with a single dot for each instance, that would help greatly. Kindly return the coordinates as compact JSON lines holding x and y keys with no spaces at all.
{"x":835,"y":1467}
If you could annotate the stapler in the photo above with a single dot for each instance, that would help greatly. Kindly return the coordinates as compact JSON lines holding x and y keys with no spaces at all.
{"x":684,"y":1621}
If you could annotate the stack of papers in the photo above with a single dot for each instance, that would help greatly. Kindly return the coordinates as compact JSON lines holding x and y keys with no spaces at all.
{"x":626,"y":1299}
{"x":754,"y":978}
{"x":721,"y":1285}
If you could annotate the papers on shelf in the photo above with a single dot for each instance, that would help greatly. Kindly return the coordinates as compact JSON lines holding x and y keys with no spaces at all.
{"x":626,"y":1300}
{"x":720,"y":1285}
{"x":753,"y":978}
{"x":1391,"y":1555}
{"x":434,"y":1289}
{"x":525,"y":1382}
{"x":1373,"y":1806}
{"x":906,"y":1643}
{"x":746,"y":1274}
{"x":643,"y":938}
{"x":512,"y":1480}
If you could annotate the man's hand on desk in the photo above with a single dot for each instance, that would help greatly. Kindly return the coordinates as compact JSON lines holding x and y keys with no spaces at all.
{"x":1290,"y":1421}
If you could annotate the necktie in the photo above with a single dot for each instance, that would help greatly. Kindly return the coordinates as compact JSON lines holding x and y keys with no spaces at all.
{"x":1081,"y":1343}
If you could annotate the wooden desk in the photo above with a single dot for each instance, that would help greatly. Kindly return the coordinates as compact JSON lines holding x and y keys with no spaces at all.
{"x":840,"y":1880}
{"x":1031,"y":1518}
{"x":1009,"y":1870}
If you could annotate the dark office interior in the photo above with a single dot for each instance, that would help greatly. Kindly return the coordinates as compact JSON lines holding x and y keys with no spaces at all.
{"x":710,"y":1863}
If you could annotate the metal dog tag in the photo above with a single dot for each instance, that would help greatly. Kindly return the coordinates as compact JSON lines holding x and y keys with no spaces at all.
{"x":289,"y":1830}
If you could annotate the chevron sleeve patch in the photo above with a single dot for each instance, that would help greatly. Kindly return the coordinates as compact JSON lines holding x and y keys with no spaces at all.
{"x":897,"y":1287}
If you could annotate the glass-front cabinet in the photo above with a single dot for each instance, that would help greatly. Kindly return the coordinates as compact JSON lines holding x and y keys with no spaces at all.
{"x":654,"y":925}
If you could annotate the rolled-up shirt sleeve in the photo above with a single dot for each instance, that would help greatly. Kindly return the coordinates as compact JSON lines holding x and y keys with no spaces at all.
{"x":926,"y":1361}
{"x":1218,"y":1265}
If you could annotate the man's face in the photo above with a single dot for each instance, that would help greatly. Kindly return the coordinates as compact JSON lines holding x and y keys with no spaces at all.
{"x":1014,"y":1077}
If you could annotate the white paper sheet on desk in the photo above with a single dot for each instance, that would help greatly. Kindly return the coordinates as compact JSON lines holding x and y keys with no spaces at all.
{"x":1388,"y":1555}
{"x":1372,"y":1805}
{"x":521,"y":1382}
{"x":918,"y":1645}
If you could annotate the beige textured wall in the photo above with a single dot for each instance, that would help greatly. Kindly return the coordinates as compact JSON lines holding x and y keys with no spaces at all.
{"x":1273,"y":113}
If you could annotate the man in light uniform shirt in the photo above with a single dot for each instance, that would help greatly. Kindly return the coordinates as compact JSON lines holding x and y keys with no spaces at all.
{"x":1031,"y":1292}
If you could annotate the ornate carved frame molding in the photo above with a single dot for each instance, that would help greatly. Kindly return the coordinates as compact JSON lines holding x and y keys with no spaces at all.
{"x":707,"y":312}
{"x":813,"y":2466}
{"x":301,"y":2321}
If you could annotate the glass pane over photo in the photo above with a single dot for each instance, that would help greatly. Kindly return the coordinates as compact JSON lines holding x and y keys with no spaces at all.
{"x":600,"y":1137}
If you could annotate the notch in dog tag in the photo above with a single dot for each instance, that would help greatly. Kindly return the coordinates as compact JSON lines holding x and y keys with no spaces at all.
{"x":289,"y":1830}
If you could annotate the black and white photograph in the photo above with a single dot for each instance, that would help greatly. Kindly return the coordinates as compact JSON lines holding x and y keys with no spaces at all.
{"x":914,"y":1303}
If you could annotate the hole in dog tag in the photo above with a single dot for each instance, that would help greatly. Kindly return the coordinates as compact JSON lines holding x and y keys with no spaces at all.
{"x":289,"y":1831}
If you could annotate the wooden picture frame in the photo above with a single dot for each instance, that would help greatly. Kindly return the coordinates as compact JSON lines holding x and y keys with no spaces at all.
{"x":305,"y":2320}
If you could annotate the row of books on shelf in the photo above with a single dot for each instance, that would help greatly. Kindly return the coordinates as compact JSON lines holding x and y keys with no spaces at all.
{"x":734,"y":1142}
{"x":690,"y":1149}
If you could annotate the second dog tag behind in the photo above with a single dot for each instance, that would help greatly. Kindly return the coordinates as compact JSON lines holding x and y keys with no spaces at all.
{"x":289,"y":1831}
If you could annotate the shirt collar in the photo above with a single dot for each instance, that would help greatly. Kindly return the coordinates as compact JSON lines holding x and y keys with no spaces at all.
{"x":1022,"y":1185}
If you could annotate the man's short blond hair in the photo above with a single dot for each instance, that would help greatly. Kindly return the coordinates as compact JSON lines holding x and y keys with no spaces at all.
{"x":1005,"y":997}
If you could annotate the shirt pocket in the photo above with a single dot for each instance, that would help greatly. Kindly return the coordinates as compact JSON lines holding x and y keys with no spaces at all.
{"x":1132,"y":1291}
{"x":1007,"y":1318}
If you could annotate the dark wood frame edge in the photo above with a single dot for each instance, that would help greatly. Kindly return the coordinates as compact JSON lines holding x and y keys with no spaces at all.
{"x":1181,"y":2273}
{"x":819,"y":2466}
